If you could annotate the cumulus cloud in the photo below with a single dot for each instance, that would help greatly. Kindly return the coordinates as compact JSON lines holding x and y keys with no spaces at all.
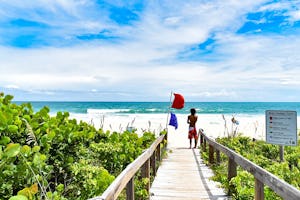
{"x":84,"y":50}
{"x":11,"y":87}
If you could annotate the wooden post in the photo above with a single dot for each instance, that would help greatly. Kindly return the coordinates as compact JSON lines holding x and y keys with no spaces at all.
{"x":158,"y":153}
{"x":166,"y":136}
{"x":130,"y":189}
{"x":153,"y":163}
{"x":201,"y":138}
{"x":231,"y":169}
{"x":232,"y":172}
{"x":281,"y":153}
{"x":204,"y":145}
{"x":211,"y":154}
{"x":259,"y":190}
{"x":218,"y":156}
{"x":146,"y":173}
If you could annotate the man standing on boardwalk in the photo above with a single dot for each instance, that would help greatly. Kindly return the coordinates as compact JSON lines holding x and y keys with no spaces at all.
{"x":191,"y":120}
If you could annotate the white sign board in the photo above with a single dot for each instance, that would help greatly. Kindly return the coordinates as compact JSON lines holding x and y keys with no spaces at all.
{"x":281,"y":127}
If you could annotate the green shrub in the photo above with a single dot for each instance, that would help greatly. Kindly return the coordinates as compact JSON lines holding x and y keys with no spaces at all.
{"x":263,"y":154}
{"x":44,"y":157}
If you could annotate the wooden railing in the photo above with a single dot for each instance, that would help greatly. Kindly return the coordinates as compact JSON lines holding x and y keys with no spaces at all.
{"x":262,"y":177}
{"x":146,"y":161}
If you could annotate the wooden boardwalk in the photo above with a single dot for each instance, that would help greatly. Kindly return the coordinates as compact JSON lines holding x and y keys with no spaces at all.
{"x":183,"y":175}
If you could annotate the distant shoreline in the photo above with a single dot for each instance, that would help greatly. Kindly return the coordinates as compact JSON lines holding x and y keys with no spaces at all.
{"x":163,"y":107}
{"x":152,"y":116}
{"x":213,"y":124}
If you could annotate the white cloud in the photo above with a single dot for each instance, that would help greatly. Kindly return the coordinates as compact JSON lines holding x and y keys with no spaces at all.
{"x":281,"y":5}
{"x":11,"y":87}
{"x":221,"y":93}
{"x":145,"y":62}
{"x":295,"y":15}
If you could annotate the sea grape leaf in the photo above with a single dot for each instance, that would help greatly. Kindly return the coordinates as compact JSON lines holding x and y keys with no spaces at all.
{"x":7,"y":99}
{"x":1,"y":152}
{"x":26,"y":150}
{"x":29,"y":191}
{"x":3,"y":120}
{"x":43,"y":112}
{"x":25,"y":192}
{"x":12,"y":150}
{"x":13,"y":128}
{"x":60,"y":188}
{"x":18,"y":197}
{"x":36,"y":149}
{"x":51,"y":135}
{"x":38,"y":159}
{"x":34,"y":188}
{"x":4,"y":140}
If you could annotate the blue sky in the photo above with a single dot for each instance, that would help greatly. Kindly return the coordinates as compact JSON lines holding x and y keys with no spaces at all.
{"x":117,"y":50}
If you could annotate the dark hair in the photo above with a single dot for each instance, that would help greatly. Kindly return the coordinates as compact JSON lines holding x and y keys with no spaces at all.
{"x":193,"y":111}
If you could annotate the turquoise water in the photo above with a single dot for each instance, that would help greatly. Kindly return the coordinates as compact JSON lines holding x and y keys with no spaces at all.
{"x":252,"y":108}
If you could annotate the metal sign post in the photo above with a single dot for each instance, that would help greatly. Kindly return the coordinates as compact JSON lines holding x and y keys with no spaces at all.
{"x":281,"y":128}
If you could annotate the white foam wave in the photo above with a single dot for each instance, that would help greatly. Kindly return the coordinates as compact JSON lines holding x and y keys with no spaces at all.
{"x":105,"y":111}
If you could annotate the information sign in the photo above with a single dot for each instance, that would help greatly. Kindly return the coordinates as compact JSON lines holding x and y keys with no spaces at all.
{"x":281,"y":127}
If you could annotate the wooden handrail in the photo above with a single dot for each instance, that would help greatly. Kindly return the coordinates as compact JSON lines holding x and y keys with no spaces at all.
{"x":126,"y":178}
{"x":262,"y":176}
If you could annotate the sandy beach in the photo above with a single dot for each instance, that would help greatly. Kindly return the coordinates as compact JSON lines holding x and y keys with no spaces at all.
{"x":212,"y":124}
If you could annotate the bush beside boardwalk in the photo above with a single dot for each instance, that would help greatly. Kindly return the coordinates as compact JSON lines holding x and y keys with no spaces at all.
{"x":43,"y":157}
{"x":264,"y":155}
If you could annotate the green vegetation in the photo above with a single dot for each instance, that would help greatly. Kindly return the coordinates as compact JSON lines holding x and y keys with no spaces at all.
{"x":44,"y":157}
{"x":263,"y":154}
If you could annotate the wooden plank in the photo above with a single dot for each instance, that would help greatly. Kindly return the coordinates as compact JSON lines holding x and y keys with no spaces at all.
{"x":181,"y":176}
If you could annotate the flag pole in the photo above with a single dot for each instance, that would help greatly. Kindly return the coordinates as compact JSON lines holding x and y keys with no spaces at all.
{"x":169,"y":109}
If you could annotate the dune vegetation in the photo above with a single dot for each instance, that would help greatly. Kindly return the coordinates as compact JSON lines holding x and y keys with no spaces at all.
{"x":54,"y":157}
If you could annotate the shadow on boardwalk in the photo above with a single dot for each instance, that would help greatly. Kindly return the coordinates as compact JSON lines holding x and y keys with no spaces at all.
{"x":183,"y":175}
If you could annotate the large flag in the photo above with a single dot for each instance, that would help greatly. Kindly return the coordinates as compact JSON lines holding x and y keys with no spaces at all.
{"x":178,"y":102}
{"x":173,"y":121}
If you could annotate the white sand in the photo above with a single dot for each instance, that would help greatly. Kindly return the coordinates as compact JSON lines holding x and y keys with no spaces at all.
{"x":213,"y":124}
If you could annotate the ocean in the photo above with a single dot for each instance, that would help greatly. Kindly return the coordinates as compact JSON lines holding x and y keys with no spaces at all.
{"x":251,"y":108}
{"x":215,"y":118}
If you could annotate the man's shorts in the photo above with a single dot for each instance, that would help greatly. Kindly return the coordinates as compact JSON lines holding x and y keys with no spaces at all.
{"x":193,"y":133}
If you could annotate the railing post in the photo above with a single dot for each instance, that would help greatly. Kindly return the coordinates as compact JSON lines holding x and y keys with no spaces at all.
{"x":201,"y":138}
{"x":211,"y":154}
{"x":166,"y":136}
{"x":153,"y":163}
{"x":259,"y":190}
{"x":146,"y":173}
{"x":130,"y":189}
{"x":204,"y":145}
{"x":218,"y":156}
{"x":231,"y":171}
{"x":158,"y":152}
